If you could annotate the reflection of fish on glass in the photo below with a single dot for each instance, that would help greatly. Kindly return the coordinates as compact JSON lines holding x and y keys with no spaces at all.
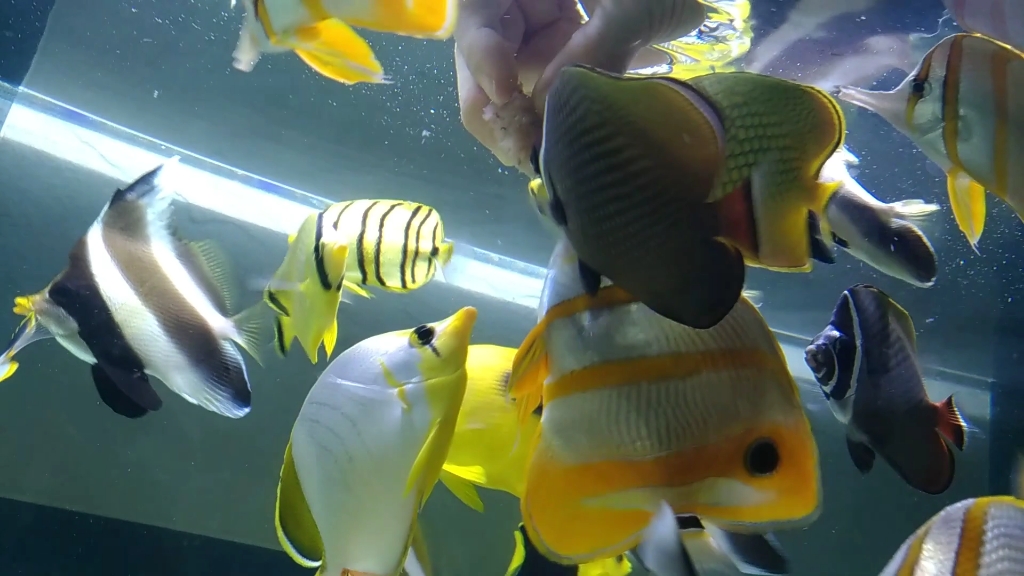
{"x":724,"y":36}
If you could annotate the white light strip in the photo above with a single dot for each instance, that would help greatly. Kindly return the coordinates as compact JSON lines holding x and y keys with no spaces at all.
{"x":471,"y":268}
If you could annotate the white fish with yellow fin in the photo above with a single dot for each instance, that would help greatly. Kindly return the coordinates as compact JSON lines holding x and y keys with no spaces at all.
{"x":960,"y":106}
{"x":367,"y":448}
{"x":320,"y":32}
{"x":137,"y":301}
{"x":638,"y":409}
{"x":394,"y":245}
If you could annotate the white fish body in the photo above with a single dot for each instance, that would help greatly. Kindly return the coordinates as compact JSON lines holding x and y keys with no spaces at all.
{"x":368,"y":445}
{"x":999,"y":19}
{"x":958,"y":107}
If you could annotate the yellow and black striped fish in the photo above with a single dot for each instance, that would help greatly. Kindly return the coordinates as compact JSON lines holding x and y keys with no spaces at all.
{"x":394,"y":245}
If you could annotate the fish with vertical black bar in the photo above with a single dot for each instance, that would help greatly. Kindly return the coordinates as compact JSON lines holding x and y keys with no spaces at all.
{"x":393,"y":245}
{"x":137,"y":301}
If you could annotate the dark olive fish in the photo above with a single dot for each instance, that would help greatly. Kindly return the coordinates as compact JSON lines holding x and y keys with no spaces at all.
{"x":136,"y":301}
{"x":865,"y":362}
{"x":668,"y":188}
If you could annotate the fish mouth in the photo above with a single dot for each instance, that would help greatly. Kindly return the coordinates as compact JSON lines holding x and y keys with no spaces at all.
{"x":24,"y":306}
{"x":457,"y":330}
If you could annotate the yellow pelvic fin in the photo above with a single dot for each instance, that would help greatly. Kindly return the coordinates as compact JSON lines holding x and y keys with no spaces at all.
{"x":357,"y":289}
{"x":529,"y":370}
{"x":336,"y":51}
{"x":331,"y":337}
{"x":249,"y":324}
{"x":519,"y":554}
{"x":418,"y":547}
{"x":417,"y":18}
{"x":425,"y":461}
{"x":9,"y":370}
{"x":968,"y":200}
{"x":23,"y":305}
{"x":462,"y":490}
{"x":296,"y":530}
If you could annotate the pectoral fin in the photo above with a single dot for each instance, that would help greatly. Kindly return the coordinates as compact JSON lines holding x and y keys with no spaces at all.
{"x":529,"y":370}
{"x":132,"y":384}
{"x":862,"y":455}
{"x":112,"y":396}
{"x":968,"y":200}
{"x":462,"y":490}
{"x":296,"y":530}
{"x":335,"y":50}
{"x":431,"y":457}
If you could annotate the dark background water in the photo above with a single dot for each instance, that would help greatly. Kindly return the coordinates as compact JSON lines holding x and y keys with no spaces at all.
{"x":163,"y":68}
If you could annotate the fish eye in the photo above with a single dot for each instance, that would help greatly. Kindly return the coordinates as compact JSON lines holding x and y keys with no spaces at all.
{"x":423,"y":334}
{"x":535,"y":159}
{"x":762,"y":457}
{"x":921,"y":88}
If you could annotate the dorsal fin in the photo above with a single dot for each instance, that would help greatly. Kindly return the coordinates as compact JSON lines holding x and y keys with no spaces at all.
{"x":142,"y":209}
{"x":901,"y":318}
{"x":207,"y":265}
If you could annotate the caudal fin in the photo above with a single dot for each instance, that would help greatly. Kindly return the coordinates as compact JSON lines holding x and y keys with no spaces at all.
{"x":433,"y":19}
{"x":951,"y":424}
{"x":338,"y":52}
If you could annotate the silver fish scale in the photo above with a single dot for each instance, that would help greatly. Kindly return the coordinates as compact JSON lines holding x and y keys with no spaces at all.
{"x":941,"y":540}
{"x":634,"y":331}
{"x":1002,"y":551}
{"x":647,"y":419}
{"x":650,"y":419}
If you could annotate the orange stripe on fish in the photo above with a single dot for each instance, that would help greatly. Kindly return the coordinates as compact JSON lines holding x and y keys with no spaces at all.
{"x":651,"y":369}
{"x":1001,"y":60}
{"x":596,"y":510}
{"x":264,"y":19}
{"x":951,"y":101}
{"x":909,"y":564}
{"x":972,"y":537}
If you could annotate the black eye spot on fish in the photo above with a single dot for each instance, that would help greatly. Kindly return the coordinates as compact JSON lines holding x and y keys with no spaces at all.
{"x":762,"y":457}
{"x":921,"y":88}
{"x":424,"y":334}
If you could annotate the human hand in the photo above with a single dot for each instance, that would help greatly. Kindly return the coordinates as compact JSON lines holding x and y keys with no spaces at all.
{"x":507,"y":50}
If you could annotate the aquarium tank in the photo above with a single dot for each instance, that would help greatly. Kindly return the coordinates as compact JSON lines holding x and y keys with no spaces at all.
{"x":907,"y":298}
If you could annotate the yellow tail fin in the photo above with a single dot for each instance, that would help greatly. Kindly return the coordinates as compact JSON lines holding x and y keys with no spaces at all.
{"x":968,"y":200}
{"x":417,"y":18}
{"x":335,"y":50}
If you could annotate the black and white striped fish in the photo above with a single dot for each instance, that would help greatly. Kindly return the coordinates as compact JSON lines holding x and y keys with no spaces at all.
{"x":136,"y":301}
{"x":394,"y":245}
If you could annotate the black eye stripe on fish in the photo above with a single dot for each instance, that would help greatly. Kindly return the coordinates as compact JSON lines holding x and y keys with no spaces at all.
{"x":416,"y":251}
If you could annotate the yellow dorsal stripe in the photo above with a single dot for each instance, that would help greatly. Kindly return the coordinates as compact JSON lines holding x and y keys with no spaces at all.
{"x":1001,"y":60}
{"x":683,"y":365}
{"x":951,"y":100}
{"x":909,"y":564}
